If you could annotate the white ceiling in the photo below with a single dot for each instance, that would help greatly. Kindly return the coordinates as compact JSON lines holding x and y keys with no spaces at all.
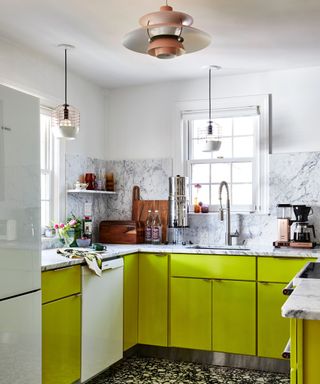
{"x":247,"y":36}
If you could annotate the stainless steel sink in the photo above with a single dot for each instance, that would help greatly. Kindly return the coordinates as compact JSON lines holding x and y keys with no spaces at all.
{"x":310,"y":271}
{"x":219,"y":247}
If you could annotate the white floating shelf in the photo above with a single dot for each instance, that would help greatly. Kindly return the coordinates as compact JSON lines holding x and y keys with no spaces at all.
{"x":86,"y":191}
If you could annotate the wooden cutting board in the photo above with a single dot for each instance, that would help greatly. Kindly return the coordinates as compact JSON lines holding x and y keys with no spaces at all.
{"x":140,"y":212}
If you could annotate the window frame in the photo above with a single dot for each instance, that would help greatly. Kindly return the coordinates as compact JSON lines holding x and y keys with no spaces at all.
{"x":57,"y":173}
{"x":181,"y":140}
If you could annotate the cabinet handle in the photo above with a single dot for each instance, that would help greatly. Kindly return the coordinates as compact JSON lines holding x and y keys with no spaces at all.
{"x":287,"y":351}
{"x":207,"y":280}
{"x":61,"y":269}
{"x":288,"y":289}
{"x":263,"y":282}
{"x":160,"y":254}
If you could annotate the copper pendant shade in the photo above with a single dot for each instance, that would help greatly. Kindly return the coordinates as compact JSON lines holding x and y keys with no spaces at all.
{"x":66,"y":118}
{"x":166,"y":34}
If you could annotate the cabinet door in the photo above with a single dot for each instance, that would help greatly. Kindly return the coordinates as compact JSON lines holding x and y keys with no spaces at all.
{"x":273,"y":329}
{"x":153,"y":299}
{"x":61,"y":341}
{"x":234,"y":317}
{"x":190,"y":313}
{"x":130,"y":301}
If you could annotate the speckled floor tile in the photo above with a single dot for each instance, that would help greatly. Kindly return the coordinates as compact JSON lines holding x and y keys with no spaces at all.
{"x":138,"y":370}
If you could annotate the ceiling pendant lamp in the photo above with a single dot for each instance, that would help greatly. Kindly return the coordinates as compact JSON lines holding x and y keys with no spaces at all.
{"x":166,"y":34}
{"x":212,"y":135}
{"x":66,"y":118}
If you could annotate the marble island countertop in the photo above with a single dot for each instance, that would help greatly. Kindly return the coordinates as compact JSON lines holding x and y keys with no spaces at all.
{"x":52,"y":260}
{"x":304,"y":302}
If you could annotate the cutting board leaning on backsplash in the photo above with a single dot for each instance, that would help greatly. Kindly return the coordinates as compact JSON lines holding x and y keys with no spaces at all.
{"x":140,"y":210}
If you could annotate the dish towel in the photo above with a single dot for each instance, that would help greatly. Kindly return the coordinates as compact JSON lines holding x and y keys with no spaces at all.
{"x":92,"y":258}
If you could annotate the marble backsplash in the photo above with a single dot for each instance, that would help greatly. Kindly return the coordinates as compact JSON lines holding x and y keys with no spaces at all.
{"x":151,"y":175}
{"x":294,"y":178}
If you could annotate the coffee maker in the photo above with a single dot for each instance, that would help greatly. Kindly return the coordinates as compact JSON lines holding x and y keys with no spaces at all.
{"x":296,"y":233}
{"x":303,"y":233}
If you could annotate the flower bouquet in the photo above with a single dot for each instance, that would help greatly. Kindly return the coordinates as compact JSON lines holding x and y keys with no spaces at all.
{"x":70,"y":231}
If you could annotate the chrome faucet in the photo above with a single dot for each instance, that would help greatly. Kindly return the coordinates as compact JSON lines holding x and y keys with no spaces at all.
{"x":228,"y":235}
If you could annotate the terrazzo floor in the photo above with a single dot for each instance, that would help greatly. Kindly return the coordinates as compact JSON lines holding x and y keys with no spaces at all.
{"x":137,"y":370}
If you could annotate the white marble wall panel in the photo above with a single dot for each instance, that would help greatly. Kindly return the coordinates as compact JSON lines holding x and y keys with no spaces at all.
{"x":151,"y":175}
{"x":294,"y":178}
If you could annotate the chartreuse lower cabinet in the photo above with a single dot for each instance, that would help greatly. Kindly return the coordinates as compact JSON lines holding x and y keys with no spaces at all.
{"x":130,"y":300}
{"x":234,"y":316}
{"x":274,"y":273}
{"x":61,"y":326}
{"x":153,"y":299}
{"x":273,"y":329}
{"x":305,"y":351}
{"x":208,"y":309}
{"x":190,"y":313}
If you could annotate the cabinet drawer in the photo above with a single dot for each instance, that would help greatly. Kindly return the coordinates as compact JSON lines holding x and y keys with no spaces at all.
{"x":279,"y":269}
{"x":60,"y":283}
{"x":214,"y":266}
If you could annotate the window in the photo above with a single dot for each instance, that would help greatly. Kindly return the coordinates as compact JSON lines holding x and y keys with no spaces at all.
{"x":51,"y":172}
{"x":242,"y":160}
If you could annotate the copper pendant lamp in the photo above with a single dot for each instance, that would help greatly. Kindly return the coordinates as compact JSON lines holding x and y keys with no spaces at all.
{"x":66,"y":118}
{"x":166,"y":34}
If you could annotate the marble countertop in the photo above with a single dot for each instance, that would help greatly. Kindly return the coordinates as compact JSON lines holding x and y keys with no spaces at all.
{"x":304,"y":302}
{"x":51,"y":260}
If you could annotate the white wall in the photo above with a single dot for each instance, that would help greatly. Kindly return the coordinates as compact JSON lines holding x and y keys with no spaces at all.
{"x":141,"y":120}
{"x":29,"y":72}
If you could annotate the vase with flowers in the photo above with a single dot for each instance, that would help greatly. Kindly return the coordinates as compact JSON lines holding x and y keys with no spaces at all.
{"x":69,"y":231}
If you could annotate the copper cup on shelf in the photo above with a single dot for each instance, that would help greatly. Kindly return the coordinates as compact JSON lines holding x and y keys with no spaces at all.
{"x":90,"y":179}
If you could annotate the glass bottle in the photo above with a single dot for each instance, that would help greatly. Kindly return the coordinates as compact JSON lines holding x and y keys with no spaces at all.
{"x":156,"y":228}
{"x":148,"y":228}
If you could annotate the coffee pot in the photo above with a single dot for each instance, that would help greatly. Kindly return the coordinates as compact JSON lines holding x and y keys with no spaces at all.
{"x":302,"y":230}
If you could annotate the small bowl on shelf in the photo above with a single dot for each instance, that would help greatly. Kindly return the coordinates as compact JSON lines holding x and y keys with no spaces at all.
{"x":83,"y":243}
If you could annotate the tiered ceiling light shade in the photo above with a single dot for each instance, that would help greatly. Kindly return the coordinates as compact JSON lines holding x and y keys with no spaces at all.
{"x":166,"y":34}
{"x":66,"y":118}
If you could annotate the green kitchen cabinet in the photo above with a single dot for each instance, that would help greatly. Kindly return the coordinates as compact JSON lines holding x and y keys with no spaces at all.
{"x":234,"y":316}
{"x":214,"y":266}
{"x":274,"y":273}
{"x":130,"y":300}
{"x":305,"y":350}
{"x":190,"y":313}
{"x":61,"y":325}
{"x":273,"y":329}
{"x":61,"y":340}
{"x":280,"y":269}
{"x":153,"y":299}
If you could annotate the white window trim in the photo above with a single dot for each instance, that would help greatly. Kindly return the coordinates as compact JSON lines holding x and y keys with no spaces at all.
{"x":58,"y":178}
{"x":180,"y":138}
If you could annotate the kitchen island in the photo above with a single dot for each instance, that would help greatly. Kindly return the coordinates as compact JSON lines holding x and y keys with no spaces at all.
{"x":303,"y":310}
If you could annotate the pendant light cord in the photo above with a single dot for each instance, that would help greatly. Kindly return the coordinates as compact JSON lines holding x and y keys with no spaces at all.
{"x":65,"y":77}
{"x":210,"y":94}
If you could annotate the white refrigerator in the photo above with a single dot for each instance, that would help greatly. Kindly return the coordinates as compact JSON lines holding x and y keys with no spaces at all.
{"x":20,"y":267}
